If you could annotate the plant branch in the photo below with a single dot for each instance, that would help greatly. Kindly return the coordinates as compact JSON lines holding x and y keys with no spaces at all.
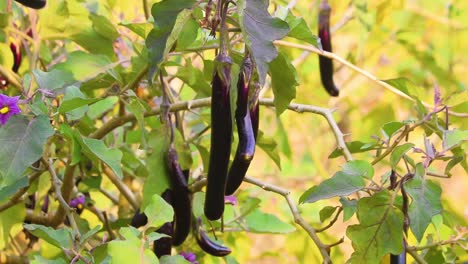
{"x":68,"y":183}
{"x":318,"y":230}
{"x":296,"y":214}
{"x":357,"y":69}
{"x":124,"y":190}
{"x":204,"y":102}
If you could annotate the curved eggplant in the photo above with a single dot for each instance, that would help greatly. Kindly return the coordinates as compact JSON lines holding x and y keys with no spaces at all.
{"x":326,"y":64}
{"x":221,"y":130}
{"x":181,"y":198}
{"x":208,"y":245}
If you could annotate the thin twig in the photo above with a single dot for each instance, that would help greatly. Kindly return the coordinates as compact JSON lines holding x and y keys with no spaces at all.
{"x":318,"y":230}
{"x":415,"y":256}
{"x":357,"y":69}
{"x":296,"y":214}
{"x":58,"y":195}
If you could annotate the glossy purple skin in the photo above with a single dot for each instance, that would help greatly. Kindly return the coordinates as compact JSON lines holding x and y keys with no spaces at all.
{"x":34,"y":4}
{"x":246,"y":148}
{"x":326,"y":64}
{"x":16,"y":57}
{"x":180,"y":199}
{"x":163,"y":245}
{"x":208,"y":245}
{"x":221,"y":131}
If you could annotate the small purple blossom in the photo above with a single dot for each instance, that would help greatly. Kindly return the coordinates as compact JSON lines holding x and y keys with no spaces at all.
{"x":189,"y":256}
{"x":78,"y":202}
{"x":230,"y":199}
{"x":8,"y":107}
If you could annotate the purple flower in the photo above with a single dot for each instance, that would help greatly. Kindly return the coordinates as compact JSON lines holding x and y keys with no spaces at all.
{"x":78,"y":202}
{"x":8,"y":107}
{"x":189,"y":256}
{"x":230,"y":199}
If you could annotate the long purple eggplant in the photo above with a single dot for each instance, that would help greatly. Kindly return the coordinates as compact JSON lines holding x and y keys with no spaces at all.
{"x":246,"y":148}
{"x":34,"y":4}
{"x":221,"y":130}
{"x":181,"y":198}
{"x":326,"y":64}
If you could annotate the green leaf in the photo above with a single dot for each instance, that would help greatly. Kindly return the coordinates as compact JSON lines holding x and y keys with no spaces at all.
{"x":349,"y":207}
{"x":426,"y":202}
{"x":153,"y":236}
{"x":283,"y":82}
{"x":270,"y":146}
{"x":75,"y":147}
{"x":359,"y":168}
{"x":22,"y":143}
{"x":129,"y":252}
{"x":345,"y":182}
{"x":354,"y":147}
{"x":95,"y":148}
{"x":104,"y":27}
{"x":390,"y":128}
{"x":141,"y":29}
{"x":158,"y":175}
{"x":398,"y":153}
{"x":298,"y":26}
{"x":75,"y":103}
{"x":169,"y":20}
{"x":60,"y":238}
{"x":259,"y":222}
{"x":453,"y":138}
{"x":158,"y":212}
{"x":194,"y":78}
{"x":11,"y":223}
{"x":380,"y":229}
{"x":327,"y":212}
{"x":72,"y":92}
{"x":37,"y":259}
{"x":177,"y":259}
{"x":405,"y":86}
{"x":137,"y":108}
{"x":260,"y":29}
{"x":53,"y":79}
{"x":90,"y":233}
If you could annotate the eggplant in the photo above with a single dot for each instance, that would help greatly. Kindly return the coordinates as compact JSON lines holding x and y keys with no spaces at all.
{"x":221,"y":130}
{"x":16,"y":57}
{"x":163,"y":245}
{"x":139,"y":219}
{"x":246,"y":148}
{"x":326,"y":64}
{"x":208,"y":245}
{"x":181,"y":198}
{"x":34,"y":4}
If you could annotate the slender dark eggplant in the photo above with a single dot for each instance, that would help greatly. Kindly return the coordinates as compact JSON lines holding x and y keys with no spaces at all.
{"x":326,"y":64}
{"x":163,"y":245}
{"x":246,"y":148}
{"x":34,"y":4}
{"x":16,"y":57}
{"x":181,"y":198}
{"x":208,"y":245}
{"x":221,"y":130}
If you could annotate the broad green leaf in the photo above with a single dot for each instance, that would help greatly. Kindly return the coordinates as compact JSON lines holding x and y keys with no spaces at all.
{"x":406,"y":86}
{"x":327,"y":212}
{"x":104,"y":27}
{"x":53,"y":79}
{"x":153,"y":236}
{"x":73,"y":92}
{"x":122,"y":252}
{"x":269,"y":145}
{"x":283,"y":82}
{"x":158,"y":212}
{"x":75,"y":103}
{"x":158,"y":175}
{"x":168,"y":25}
{"x":260,"y":29}
{"x":100,"y":107}
{"x":298,"y":26}
{"x":345,"y":182}
{"x":137,"y":108}
{"x":95,"y":148}
{"x":198,"y":202}
{"x":359,"y":168}
{"x":90,"y":233}
{"x":349,"y":207}
{"x":22,"y":142}
{"x":75,"y":147}
{"x":37,"y":259}
{"x":7,"y":191}
{"x":380,"y":229}
{"x":389,"y":129}
{"x":177,"y":259}
{"x":259,"y":222}
{"x":141,"y":29}
{"x":11,"y":223}
{"x":354,"y":147}
{"x":398,"y":153}
{"x":194,"y":78}
{"x":425,"y":203}
{"x":60,"y":238}
{"x":453,"y":138}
